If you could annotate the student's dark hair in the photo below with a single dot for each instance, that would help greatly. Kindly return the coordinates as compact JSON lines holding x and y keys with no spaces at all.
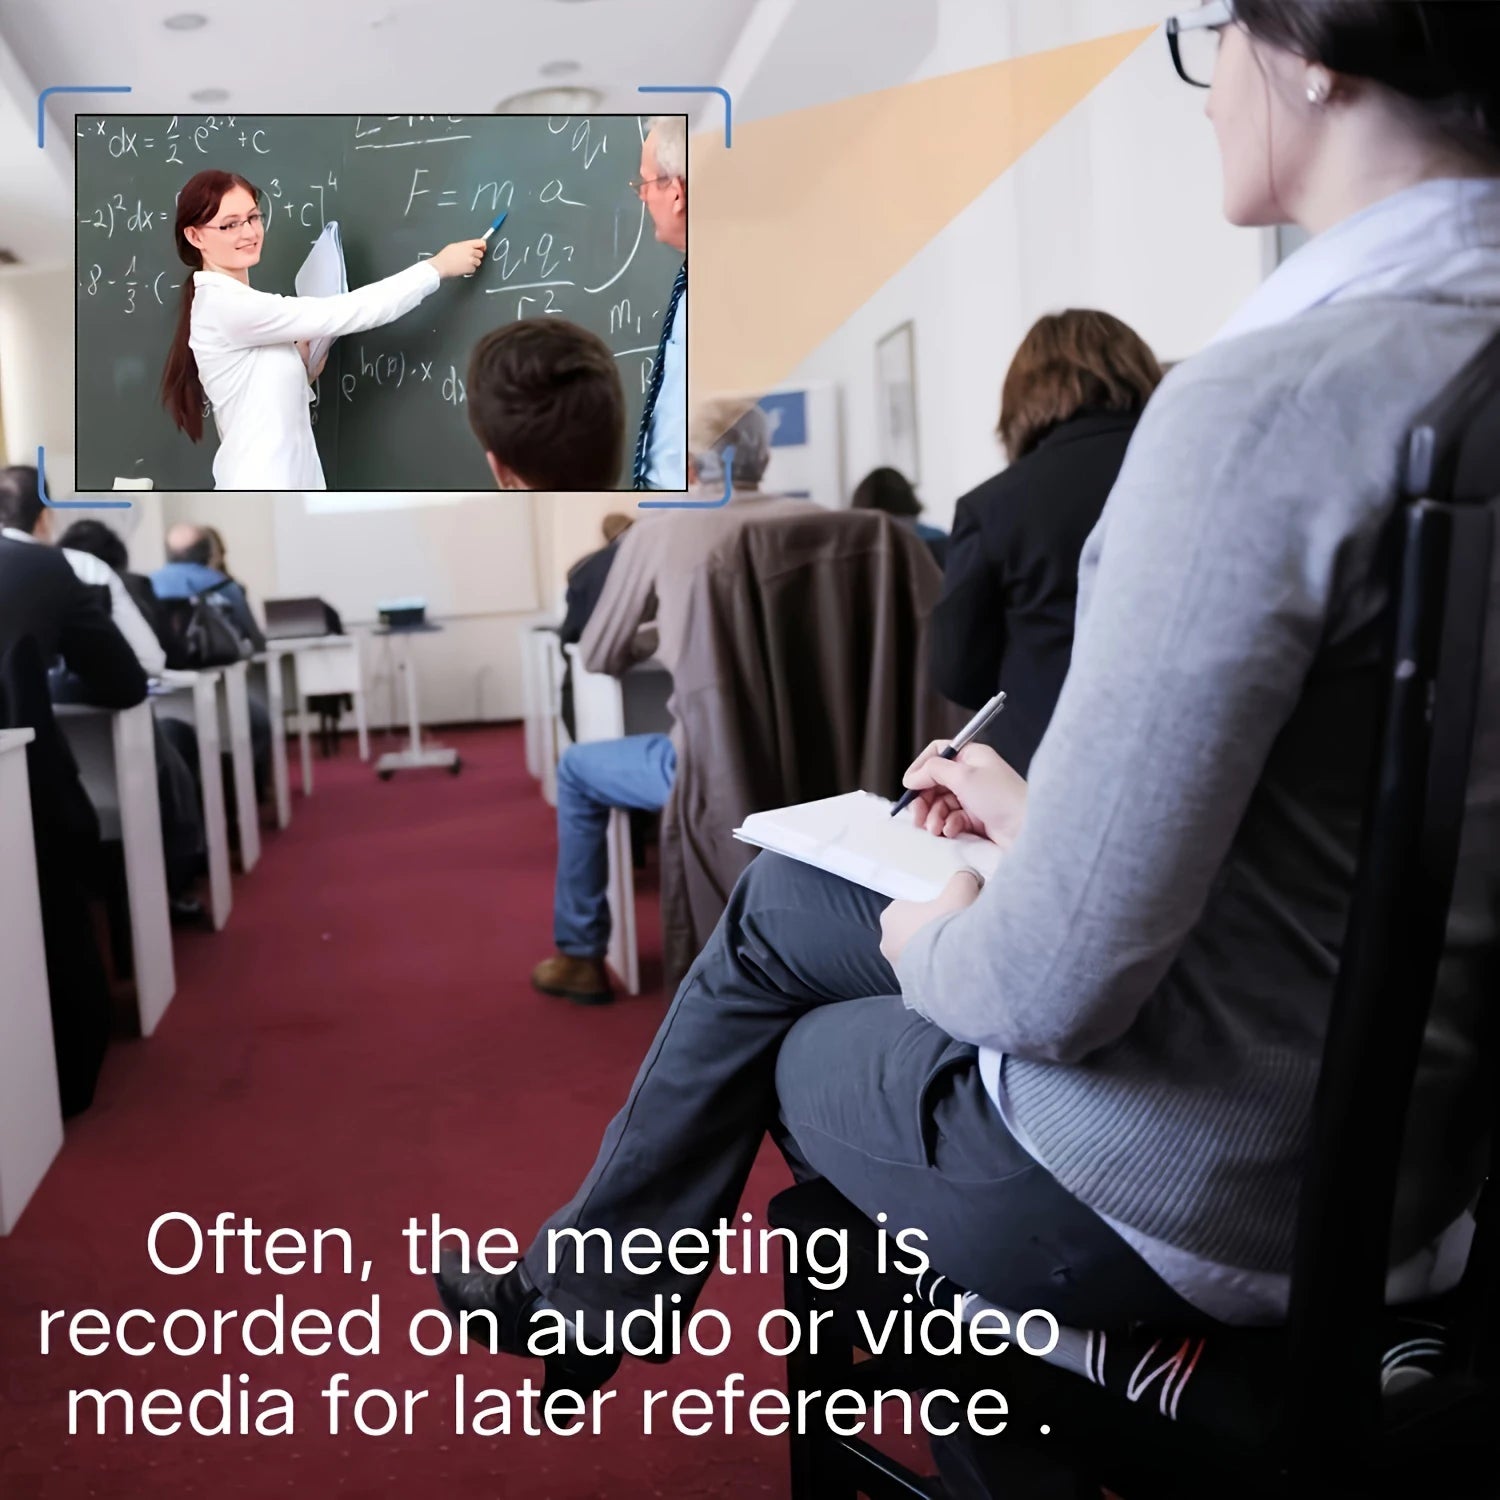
{"x":545,"y":398}
{"x":98,"y":539}
{"x":197,"y":551}
{"x":197,"y":203}
{"x":888,"y":490}
{"x":21,"y":502}
{"x":1071,"y":362}
{"x":1443,"y":56}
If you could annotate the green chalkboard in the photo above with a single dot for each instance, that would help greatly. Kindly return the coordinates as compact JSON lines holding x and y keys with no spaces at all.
{"x":390,"y":411}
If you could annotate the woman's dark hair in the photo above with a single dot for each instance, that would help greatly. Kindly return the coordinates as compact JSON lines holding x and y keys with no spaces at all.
{"x":1442,"y":57}
{"x":197,"y":203}
{"x":1071,"y":362}
{"x":99,"y":540}
{"x":888,"y":490}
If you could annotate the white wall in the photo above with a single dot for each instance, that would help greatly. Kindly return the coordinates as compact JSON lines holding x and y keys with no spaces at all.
{"x":36,"y":371}
{"x":1116,"y":208}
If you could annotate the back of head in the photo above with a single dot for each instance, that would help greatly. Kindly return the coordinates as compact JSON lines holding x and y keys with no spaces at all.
{"x":1071,"y":362}
{"x":99,"y":540}
{"x":889,"y":490}
{"x":724,"y":422}
{"x":545,"y":400}
{"x":1440,"y":58}
{"x":21,"y":502}
{"x":615,"y":525}
{"x":187,"y":543}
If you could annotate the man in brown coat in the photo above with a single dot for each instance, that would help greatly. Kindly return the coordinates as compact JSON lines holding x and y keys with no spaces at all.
{"x":648,"y":585}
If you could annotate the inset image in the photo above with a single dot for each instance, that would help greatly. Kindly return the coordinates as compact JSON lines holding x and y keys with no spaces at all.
{"x":381,"y":302}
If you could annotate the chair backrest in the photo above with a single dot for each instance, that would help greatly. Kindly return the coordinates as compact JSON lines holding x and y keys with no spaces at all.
{"x":1444,"y":549}
{"x":805,"y":675}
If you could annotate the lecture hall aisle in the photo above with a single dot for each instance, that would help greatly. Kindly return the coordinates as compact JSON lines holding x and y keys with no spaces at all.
{"x":359,"y":1045}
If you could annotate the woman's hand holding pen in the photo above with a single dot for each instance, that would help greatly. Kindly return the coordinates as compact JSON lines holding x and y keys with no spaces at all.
{"x":976,"y":793}
{"x":458,"y":259}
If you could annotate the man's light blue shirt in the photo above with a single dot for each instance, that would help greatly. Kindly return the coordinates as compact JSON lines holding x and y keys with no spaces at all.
{"x":666,"y":447}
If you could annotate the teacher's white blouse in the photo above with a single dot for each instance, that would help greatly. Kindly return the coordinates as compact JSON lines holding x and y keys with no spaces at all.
{"x":245,"y":343}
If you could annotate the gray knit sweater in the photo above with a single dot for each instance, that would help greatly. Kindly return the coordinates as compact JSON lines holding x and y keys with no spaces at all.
{"x":1156,"y":956}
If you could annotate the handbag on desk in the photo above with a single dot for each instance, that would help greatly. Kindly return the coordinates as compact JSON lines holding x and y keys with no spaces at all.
{"x":200,"y":632}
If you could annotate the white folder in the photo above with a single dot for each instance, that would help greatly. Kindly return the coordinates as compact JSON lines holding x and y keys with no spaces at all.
{"x":323,"y":274}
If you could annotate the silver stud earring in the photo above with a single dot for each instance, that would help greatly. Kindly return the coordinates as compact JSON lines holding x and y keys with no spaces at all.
{"x":1317,"y":92}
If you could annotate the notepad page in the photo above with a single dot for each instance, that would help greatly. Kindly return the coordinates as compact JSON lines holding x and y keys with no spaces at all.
{"x":854,"y":836}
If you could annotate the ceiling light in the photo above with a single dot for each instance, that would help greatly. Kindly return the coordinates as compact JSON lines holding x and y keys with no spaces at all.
{"x":559,"y":69}
{"x":559,"y":101}
{"x":187,"y":20}
{"x":209,"y":96}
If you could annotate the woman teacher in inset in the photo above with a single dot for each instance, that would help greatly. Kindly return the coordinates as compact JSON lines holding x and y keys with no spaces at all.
{"x":245,"y":353}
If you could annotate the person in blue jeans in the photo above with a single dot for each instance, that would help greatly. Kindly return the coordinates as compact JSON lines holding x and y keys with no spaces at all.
{"x":647,"y":585}
{"x":636,"y":773}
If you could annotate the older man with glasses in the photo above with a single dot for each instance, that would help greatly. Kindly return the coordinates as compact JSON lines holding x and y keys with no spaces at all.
{"x":661,"y":443}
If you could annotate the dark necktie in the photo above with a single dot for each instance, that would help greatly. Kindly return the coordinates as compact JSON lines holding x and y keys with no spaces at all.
{"x":653,"y":386}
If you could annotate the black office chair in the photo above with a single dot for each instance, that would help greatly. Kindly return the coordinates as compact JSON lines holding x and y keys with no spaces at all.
{"x":1310,"y":1409}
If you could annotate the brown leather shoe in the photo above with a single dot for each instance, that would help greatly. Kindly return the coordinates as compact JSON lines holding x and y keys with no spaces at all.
{"x":581,"y":980}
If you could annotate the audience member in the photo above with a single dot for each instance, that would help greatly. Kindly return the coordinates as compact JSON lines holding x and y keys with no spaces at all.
{"x":1073,"y":395}
{"x":105,"y":543}
{"x":1088,"y":1083}
{"x":26,"y":517}
{"x":660,"y":450}
{"x":546,"y":404}
{"x":647,"y":584}
{"x":585,"y":584}
{"x":890,"y":490}
{"x":187,"y":573}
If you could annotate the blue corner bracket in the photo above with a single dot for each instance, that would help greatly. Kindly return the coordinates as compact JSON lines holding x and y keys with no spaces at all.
{"x":41,"y":489}
{"x":728,"y":457}
{"x":69,"y":88}
{"x":697,"y":88}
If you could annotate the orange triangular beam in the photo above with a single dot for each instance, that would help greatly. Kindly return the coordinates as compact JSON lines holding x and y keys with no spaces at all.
{"x":810,"y":212}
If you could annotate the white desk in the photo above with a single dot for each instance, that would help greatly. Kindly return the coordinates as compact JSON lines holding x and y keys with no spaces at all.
{"x":194,"y":697}
{"x":321,"y":665}
{"x":608,"y":708}
{"x":266,"y":670}
{"x":116,"y":754}
{"x":31,"y":1129}
{"x":539,"y":680}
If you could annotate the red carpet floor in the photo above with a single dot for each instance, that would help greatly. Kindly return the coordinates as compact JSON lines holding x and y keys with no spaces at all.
{"x":359,"y":1045}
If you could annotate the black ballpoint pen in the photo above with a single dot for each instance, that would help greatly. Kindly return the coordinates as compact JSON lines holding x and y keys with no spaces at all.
{"x":960,"y":739}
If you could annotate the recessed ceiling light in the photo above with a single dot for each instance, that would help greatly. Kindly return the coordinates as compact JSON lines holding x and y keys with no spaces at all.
{"x":559,"y":69}
{"x":569,"y":101}
{"x":209,"y":96}
{"x":187,"y":20}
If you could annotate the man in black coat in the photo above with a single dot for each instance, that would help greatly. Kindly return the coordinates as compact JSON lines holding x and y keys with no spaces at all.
{"x":47,"y":613}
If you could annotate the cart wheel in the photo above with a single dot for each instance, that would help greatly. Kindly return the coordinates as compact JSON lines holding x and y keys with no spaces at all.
{"x":456,"y":767}
{"x":385,"y":775}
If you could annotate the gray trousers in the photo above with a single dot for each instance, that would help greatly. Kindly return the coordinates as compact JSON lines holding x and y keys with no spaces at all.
{"x":790,"y":1021}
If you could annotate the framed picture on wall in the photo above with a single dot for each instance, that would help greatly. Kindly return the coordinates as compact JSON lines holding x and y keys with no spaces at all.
{"x":896,"y":393}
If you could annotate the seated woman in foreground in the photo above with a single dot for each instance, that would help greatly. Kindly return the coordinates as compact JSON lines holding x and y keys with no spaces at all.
{"x":1089,"y":1084}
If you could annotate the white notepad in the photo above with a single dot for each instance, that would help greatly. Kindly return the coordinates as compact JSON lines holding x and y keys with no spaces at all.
{"x":323,"y":274}
{"x":855,"y":836}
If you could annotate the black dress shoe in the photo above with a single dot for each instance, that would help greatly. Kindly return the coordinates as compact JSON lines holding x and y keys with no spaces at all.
{"x":513,"y":1299}
{"x":188,"y":911}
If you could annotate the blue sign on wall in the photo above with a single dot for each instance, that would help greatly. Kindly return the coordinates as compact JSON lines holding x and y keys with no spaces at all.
{"x":788,"y":413}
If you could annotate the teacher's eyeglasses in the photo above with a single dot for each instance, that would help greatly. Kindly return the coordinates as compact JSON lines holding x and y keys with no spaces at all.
{"x":250,"y":221}
{"x":1193,"y":38}
{"x":640,"y":184}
